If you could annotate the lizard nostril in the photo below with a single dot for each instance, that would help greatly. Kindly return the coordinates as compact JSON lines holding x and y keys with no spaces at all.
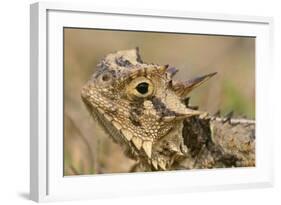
{"x":142,"y":88}
{"x":106,"y":77}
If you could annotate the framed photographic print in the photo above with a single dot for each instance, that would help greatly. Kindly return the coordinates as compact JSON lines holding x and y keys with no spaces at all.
{"x":127,"y":102}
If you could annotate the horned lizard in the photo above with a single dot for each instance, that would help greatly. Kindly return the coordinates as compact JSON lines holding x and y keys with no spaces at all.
{"x":146,"y":112}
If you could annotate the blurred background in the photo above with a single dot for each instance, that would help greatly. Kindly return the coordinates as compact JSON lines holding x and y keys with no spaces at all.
{"x":87,"y":149}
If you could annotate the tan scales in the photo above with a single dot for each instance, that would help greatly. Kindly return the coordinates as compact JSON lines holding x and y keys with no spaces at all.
{"x":146,"y":112}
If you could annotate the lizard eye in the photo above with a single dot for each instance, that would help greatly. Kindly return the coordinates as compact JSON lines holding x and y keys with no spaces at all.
{"x":142,"y":87}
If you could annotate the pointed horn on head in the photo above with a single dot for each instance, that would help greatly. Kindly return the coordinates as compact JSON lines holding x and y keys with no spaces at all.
{"x":184,"y":88}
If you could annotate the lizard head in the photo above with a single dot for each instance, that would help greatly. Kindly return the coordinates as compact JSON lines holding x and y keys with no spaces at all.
{"x":140,"y":105}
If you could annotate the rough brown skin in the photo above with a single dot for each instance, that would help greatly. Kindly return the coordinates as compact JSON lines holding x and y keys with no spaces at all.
{"x":147,"y":113}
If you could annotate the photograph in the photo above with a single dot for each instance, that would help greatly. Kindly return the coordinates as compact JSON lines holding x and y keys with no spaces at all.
{"x":146,"y":101}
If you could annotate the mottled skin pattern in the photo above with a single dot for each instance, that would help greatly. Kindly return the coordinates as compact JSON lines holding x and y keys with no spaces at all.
{"x":146,"y":112}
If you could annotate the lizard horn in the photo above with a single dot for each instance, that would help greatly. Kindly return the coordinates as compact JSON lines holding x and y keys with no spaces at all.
{"x":182,"y":89}
{"x":171,"y":71}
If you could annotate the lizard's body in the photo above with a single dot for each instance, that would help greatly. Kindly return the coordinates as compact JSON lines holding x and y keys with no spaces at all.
{"x":146,"y":112}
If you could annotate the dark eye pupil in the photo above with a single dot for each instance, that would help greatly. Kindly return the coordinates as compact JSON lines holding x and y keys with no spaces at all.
{"x":142,"y":88}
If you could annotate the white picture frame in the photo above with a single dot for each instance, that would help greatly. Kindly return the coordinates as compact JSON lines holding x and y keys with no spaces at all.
{"x":47,"y":182}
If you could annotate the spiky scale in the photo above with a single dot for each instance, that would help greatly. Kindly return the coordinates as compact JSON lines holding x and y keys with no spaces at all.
{"x":128,"y":135}
{"x":117,"y":125}
{"x":154,"y":163}
{"x":107,"y":117}
{"x":147,"y":147}
{"x":162,"y":164}
{"x":171,"y":71}
{"x":169,"y":118}
{"x":137,"y":142}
